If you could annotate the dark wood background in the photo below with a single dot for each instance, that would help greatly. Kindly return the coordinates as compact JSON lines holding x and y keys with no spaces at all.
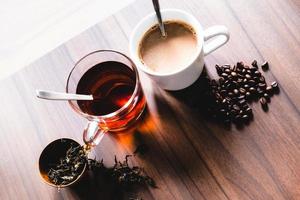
{"x":189,"y":156}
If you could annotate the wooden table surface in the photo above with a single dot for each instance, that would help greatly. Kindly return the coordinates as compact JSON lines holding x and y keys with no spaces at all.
{"x":190,"y":156}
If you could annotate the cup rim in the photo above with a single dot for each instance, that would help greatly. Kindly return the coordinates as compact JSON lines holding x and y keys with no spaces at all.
{"x":134,"y":48}
{"x":136,"y":87}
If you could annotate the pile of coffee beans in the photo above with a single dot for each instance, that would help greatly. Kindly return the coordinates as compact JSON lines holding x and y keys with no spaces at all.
{"x":237,"y":86}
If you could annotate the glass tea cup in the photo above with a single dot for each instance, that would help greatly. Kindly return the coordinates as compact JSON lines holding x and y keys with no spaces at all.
{"x":112,"y":78}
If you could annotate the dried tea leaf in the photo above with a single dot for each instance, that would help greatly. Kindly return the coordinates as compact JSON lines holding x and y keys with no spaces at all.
{"x":69,"y":167}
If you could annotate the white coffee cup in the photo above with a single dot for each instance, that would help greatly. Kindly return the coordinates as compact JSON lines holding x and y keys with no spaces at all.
{"x":189,"y":73}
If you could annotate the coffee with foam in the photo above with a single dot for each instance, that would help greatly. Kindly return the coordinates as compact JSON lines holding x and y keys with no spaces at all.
{"x":171,"y":53}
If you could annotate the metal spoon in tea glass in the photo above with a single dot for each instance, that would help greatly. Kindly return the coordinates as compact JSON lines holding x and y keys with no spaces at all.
{"x":50,"y":95}
{"x":159,"y":19}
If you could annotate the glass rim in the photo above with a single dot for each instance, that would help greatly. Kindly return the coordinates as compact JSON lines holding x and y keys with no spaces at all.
{"x":125,"y":106}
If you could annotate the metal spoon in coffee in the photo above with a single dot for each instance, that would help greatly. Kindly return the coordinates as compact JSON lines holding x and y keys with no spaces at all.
{"x":159,"y":19}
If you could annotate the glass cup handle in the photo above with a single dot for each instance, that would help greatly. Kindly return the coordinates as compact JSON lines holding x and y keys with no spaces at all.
{"x":220,"y":35}
{"x":93,"y":134}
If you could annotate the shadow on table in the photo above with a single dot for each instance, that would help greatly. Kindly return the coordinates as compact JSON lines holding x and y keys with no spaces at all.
{"x":95,"y":185}
{"x":195,"y":98}
{"x":182,"y":120}
{"x":166,"y":130}
{"x":98,"y":185}
{"x":179,"y":138}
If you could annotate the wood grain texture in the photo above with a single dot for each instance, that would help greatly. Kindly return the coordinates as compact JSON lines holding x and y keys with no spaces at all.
{"x":190,"y":157}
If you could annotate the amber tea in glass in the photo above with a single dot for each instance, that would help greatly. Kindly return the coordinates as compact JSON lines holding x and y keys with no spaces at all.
{"x":112,"y":79}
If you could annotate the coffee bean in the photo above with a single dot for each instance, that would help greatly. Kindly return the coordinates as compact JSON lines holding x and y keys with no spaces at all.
{"x":235,"y":83}
{"x":243,"y":71}
{"x":246,"y":86}
{"x":248,"y":94}
{"x":221,"y":80}
{"x":240,"y":65}
{"x":223,"y":92}
{"x":223,"y":111}
{"x":234,"y":98}
{"x":230,"y":94}
{"x":274,"y":85}
{"x":263,"y":101}
{"x":252,"y":69}
{"x":252,"y":89}
{"x":245,"y":117}
{"x":257,"y":73}
{"x":259,"y":91}
{"x":236,"y":107}
{"x":235,"y":91}
{"x":242,"y":102}
{"x":256,"y":79}
{"x":269,"y":89}
{"x":254,"y":64}
{"x":227,"y":71}
{"x":248,"y":110}
{"x":242,"y":90}
{"x":226,"y":66}
{"x":228,"y":85}
{"x":219,"y":70}
{"x":233,"y":112}
{"x":241,"y":97}
{"x":240,"y":75}
{"x":248,"y":76}
{"x":224,"y":75}
{"x":234,"y":68}
{"x":267,"y":97}
{"x":265,"y":66}
{"x":245,"y":105}
{"x":262,"y":79}
{"x":218,"y":96}
{"x":252,"y":82}
{"x":262,"y":85}
{"x":228,"y":99}
{"x":234,"y":74}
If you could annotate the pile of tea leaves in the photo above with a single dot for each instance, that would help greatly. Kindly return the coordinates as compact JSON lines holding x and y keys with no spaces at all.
{"x":72,"y":165}
{"x":125,"y":175}
{"x":69,"y":167}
